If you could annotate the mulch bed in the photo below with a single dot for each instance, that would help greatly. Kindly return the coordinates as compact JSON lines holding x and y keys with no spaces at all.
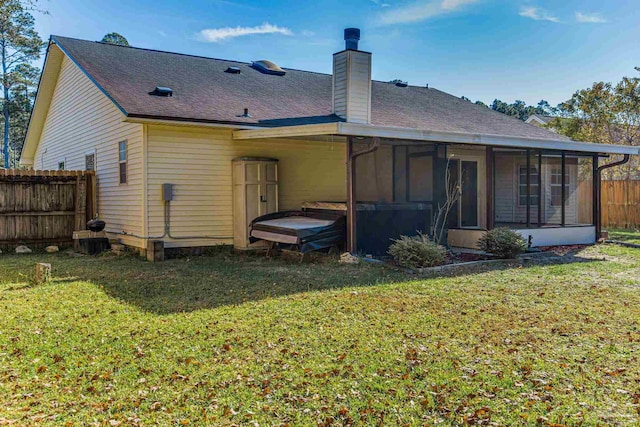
{"x":463,"y":257}
{"x":456,"y":258}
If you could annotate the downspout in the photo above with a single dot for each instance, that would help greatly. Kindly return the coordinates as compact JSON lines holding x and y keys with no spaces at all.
{"x":598,"y":198}
{"x":352,"y":242}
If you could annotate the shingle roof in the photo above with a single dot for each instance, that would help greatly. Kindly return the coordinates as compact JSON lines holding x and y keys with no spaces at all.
{"x":202,"y":91}
{"x":542,"y":118}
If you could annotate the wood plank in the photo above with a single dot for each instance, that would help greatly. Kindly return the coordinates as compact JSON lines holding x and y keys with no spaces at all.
{"x":52,"y":213}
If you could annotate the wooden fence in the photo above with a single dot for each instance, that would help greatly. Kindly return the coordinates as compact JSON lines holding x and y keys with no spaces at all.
{"x":39,"y":208}
{"x":621,"y":204}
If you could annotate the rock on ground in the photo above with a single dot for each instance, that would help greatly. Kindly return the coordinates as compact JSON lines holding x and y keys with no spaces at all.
{"x":117,"y":248}
{"x":347,"y":258}
{"x":23,"y":250}
{"x":52,"y":249}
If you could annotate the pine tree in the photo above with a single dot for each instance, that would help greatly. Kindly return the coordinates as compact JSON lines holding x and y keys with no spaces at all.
{"x":20,"y":44}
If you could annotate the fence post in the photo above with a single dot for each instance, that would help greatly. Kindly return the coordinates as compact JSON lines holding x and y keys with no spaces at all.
{"x":81,"y":203}
{"x":43,"y":272}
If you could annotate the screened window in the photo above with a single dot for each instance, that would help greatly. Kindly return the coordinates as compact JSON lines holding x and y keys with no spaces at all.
{"x":122,"y":161}
{"x":522,"y":186}
{"x":556,"y":185}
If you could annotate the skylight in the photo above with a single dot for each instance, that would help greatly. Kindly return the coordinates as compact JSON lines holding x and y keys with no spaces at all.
{"x":268,"y":67}
{"x":162,"y":91}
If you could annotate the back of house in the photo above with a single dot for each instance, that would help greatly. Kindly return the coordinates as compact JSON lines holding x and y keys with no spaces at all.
{"x":189,"y":150}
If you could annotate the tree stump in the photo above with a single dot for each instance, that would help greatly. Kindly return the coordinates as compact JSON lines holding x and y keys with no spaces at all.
{"x":43,"y":272}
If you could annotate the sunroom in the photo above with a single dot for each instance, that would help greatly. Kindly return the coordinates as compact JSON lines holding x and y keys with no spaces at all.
{"x":403,"y":181}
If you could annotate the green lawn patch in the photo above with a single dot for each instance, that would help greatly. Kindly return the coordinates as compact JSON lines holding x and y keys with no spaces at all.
{"x":232,"y":339}
{"x":625,"y":235}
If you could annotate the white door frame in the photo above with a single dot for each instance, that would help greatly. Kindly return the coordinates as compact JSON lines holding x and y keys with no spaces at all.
{"x":479,"y":156}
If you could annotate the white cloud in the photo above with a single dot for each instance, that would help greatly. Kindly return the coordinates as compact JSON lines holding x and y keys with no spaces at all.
{"x":590,"y":18}
{"x":455,"y":4}
{"x":380,"y":3}
{"x":214,"y":35}
{"x":537,"y":14}
{"x":421,"y":11}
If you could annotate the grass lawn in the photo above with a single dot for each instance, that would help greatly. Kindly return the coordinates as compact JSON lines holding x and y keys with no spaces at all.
{"x":239,"y":340}
{"x":625,"y":235}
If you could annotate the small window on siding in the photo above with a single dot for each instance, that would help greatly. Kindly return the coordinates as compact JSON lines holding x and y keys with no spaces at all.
{"x":522,"y":186}
{"x":61,"y":164}
{"x":122,"y":161}
{"x":556,"y":185}
{"x":90,"y":161}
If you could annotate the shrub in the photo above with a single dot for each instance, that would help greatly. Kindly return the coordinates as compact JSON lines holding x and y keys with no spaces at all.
{"x":503,"y":243}
{"x":417,"y":252}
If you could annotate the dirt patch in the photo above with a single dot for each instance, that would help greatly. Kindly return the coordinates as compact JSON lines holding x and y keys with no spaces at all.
{"x":563,"y":250}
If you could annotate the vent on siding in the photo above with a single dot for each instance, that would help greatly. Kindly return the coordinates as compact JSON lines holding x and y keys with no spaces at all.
{"x":90,"y":162}
{"x":268,"y":67}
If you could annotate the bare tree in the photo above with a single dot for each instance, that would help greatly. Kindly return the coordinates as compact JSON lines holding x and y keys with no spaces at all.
{"x":441,"y":214}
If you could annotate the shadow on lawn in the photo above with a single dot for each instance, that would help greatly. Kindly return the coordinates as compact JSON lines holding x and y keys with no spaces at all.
{"x":219,"y":279}
{"x":226,"y":278}
{"x":625,"y":235}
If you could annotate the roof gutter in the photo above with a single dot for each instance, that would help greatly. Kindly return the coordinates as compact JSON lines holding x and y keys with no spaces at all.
{"x":410,"y":134}
{"x":170,"y":121}
{"x":481,"y":139}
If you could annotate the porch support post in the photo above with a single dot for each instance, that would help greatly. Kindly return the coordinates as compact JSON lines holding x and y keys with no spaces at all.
{"x":563,"y":190}
{"x":352,"y":246}
{"x":352,"y":236}
{"x":597,"y":179}
{"x":528,"y":154}
{"x":539,"y":188}
{"x":596,"y":197}
{"x":490,"y":173}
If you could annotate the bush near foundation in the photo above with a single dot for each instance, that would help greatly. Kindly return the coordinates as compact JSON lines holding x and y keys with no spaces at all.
{"x":417,"y":252}
{"x":503,"y":243}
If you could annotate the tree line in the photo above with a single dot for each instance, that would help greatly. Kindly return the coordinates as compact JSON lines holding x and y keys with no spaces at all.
{"x":20,"y":47}
{"x":606,"y":113}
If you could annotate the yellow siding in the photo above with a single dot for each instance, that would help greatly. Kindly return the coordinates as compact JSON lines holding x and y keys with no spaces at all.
{"x":82,"y":119}
{"x":198,"y":163}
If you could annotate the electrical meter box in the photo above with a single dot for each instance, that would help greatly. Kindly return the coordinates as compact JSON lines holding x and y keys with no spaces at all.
{"x":167,"y":192}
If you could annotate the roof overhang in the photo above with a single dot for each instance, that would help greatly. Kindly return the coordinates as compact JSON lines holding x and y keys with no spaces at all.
{"x":46,"y":87}
{"x":172,"y":121}
{"x":44,"y":96}
{"x":355,"y":129}
{"x":536,"y":119}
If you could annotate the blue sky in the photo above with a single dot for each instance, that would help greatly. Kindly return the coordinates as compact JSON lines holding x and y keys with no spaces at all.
{"x":482,"y":49}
